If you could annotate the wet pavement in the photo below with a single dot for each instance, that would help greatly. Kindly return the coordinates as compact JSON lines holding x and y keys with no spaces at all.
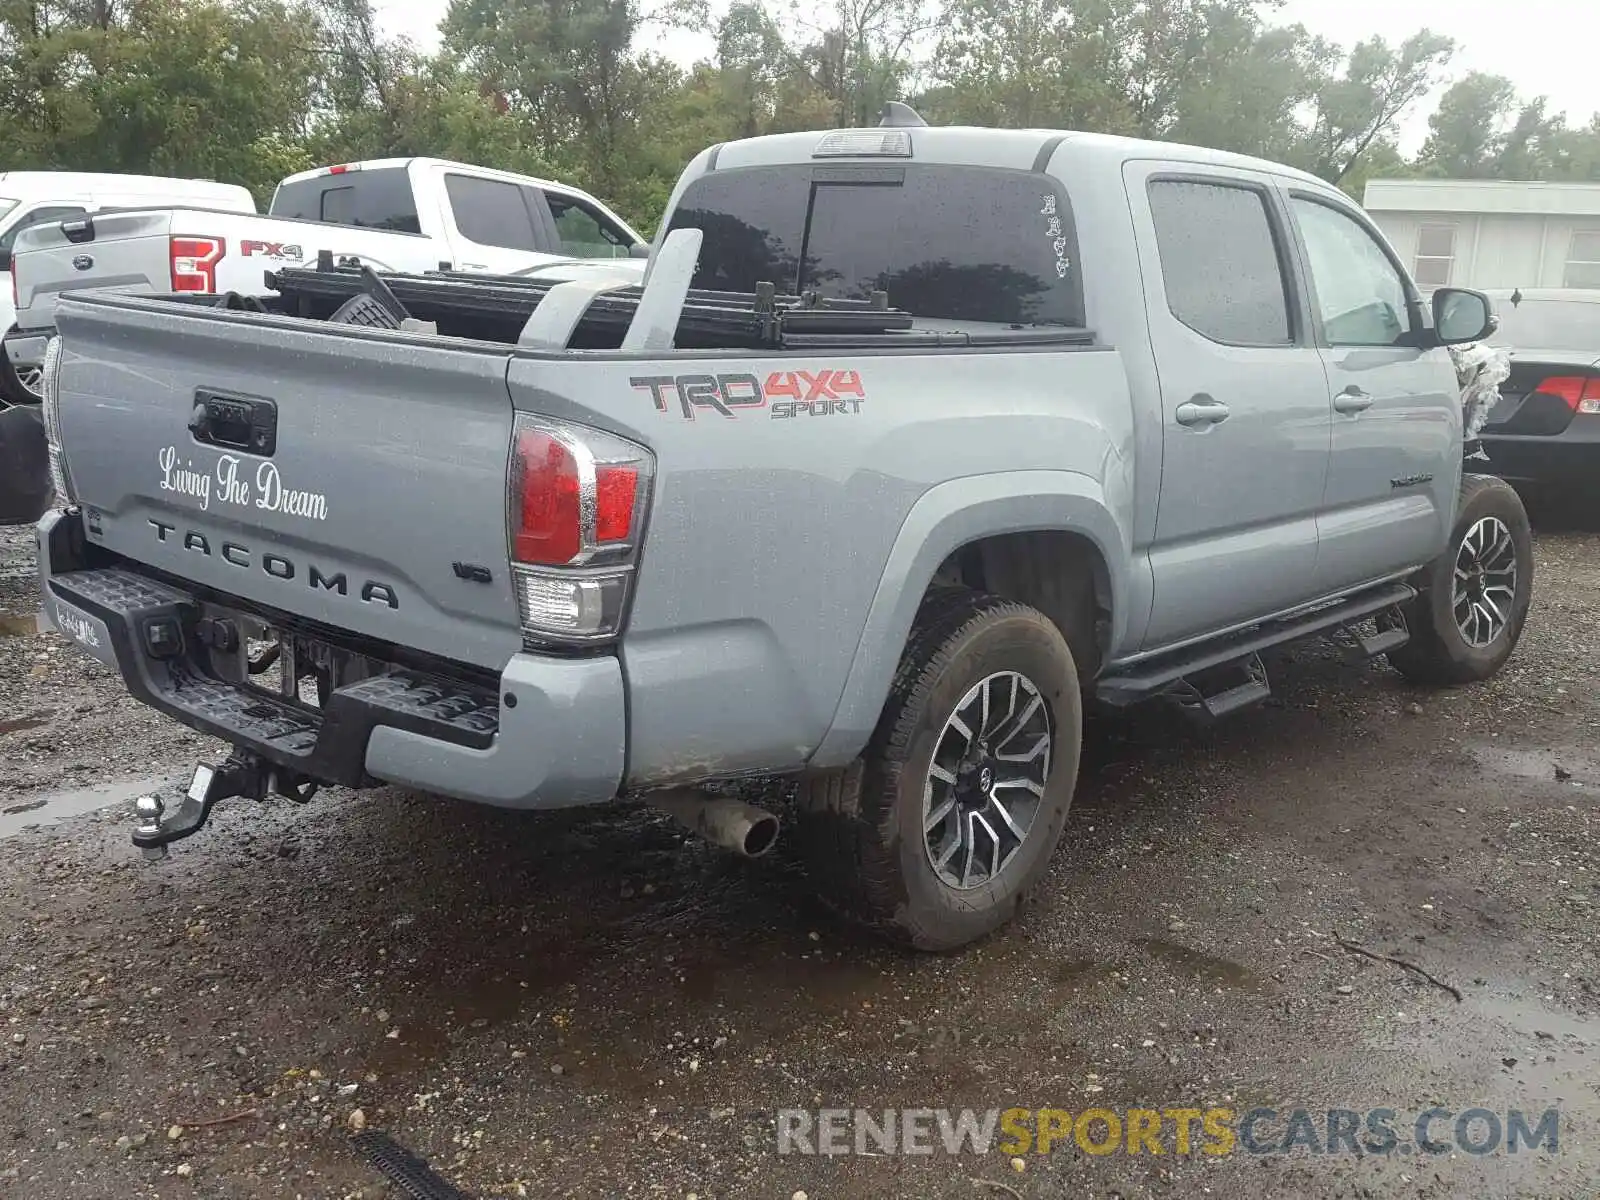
{"x":594,"y":1005}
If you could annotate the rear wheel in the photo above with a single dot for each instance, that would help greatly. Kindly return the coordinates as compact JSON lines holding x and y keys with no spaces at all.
{"x":1473,"y":603}
{"x":937,"y":834}
{"x":20,"y":387}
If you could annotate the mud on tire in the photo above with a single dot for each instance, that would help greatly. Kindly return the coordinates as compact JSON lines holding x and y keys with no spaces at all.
{"x":1464,"y":634}
{"x":862,"y":831}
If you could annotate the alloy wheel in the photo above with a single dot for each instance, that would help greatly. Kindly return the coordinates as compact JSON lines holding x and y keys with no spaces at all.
{"x":986,"y":783}
{"x":1485,"y":585}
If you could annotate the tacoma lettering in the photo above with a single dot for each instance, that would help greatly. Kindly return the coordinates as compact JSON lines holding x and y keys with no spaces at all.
{"x":372,"y":591}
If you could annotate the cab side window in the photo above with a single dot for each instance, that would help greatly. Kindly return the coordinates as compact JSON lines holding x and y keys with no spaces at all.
{"x":1360,"y":293}
{"x":1220,"y":261}
{"x":491,"y":212}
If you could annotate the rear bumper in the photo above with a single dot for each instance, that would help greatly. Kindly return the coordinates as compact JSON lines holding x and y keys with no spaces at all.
{"x":1569,"y":458}
{"x":552,"y":735}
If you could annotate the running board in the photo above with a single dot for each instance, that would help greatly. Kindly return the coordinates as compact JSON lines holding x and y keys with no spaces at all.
{"x":1154,"y":677}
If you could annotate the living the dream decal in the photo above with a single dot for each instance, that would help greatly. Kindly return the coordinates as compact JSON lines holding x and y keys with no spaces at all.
{"x":228,"y":484}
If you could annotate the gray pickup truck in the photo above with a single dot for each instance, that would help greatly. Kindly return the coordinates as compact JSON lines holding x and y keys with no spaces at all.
{"x":914,"y":443}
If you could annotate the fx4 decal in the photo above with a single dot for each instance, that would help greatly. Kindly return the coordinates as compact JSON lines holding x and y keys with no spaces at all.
{"x":786,"y":394}
{"x":270,"y":250}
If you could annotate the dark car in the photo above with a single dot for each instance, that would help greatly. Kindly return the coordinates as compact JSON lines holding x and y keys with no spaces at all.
{"x":1544,"y":435}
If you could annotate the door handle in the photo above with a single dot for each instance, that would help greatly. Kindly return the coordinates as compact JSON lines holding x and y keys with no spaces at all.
{"x":1202,"y":410}
{"x":1352,"y":400}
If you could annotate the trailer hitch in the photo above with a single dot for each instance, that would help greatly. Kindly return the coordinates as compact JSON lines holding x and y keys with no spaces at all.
{"x":240,"y":774}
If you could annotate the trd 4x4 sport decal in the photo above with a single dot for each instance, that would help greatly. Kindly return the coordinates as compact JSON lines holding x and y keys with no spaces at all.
{"x":786,"y":394}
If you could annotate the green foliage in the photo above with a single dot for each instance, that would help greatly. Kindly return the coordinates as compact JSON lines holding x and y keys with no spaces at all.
{"x":248,"y":91}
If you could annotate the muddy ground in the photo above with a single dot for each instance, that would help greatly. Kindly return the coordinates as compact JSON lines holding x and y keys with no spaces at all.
{"x":574,"y":1006}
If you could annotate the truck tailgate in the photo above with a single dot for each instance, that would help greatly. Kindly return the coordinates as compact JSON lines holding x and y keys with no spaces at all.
{"x":125,"y":251}
{"x":375,"y":504}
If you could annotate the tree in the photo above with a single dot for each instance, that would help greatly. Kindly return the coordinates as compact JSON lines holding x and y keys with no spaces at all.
{"x":1466,"y":133}
{"x":565,"y":68}
{"x":1364,"y":105}
{"x":857,"y":53}
{"x":1024,"y":63}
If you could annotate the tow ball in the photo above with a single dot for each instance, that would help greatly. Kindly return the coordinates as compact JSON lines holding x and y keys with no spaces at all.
{"x":240,"y":774}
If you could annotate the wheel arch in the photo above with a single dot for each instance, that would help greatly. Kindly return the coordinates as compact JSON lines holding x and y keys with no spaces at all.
{"x":990,"y":531}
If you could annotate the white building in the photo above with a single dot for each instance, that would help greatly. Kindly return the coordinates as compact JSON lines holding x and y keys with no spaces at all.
{"x":1490,"y":233}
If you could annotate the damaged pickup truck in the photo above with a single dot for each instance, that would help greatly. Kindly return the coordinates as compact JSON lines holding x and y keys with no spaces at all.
{"x":914,"y":442}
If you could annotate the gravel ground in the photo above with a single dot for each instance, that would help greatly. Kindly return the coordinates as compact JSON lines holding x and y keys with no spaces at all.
{"x":599,"y":1007}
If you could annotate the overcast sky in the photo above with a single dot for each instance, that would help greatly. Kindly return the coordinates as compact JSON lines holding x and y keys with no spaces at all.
{"x":1546,"y":47}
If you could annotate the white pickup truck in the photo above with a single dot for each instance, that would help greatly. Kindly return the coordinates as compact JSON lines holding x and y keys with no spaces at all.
{"x":398,"y":214}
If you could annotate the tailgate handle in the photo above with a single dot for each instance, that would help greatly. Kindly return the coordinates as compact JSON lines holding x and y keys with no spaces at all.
{"x":245,"y":423}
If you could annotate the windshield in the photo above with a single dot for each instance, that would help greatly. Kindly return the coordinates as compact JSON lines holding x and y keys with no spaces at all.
{"x":955,"y":243}
{"x":6,"y":206}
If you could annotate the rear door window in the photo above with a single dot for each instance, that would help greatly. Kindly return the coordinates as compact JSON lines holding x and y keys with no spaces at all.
{"x":491,"y":213}
{"x":377,"y":199}
{"x":952,"y":243}
{"x":1220,"y":261}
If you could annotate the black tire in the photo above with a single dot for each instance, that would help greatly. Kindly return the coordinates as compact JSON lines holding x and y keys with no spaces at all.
{"x":861,"y":830}
{"x":25,"y":489}
{"x":1438,"y":652}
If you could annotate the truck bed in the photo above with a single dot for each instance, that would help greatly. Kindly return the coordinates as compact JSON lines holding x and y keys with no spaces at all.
{"x":496,"y":308}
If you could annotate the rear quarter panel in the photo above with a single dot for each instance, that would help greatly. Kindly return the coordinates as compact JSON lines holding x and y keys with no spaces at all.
{"x":782,"y":551}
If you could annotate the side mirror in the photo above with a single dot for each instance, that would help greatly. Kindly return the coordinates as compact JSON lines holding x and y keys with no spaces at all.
{"x":1461,"y":316}
{"x":639,"y":250}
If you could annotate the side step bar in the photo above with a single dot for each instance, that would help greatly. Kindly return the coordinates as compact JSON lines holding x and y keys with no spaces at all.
{"x":1169,"y":672}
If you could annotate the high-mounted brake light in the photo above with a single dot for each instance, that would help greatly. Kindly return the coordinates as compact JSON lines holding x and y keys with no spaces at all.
{"x":339,"y":170}
{"x":864,"y":143}
{"x":576,"y":508}
{"x":194,"y":263}
{"x":1580,"y":392}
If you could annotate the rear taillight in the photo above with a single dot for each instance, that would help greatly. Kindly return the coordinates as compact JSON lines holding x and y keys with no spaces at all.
{"x":1580,"y":392}
{"x":194,"y":263}
{"x":1589,"y":402}
{"x":576,"y":509}
{"x":50,"y":393}
{"x":16,"y":292}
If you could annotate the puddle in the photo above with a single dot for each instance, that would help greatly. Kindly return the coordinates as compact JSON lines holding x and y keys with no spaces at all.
{"x":22,"y":724}
{"x":1548,"y":766}
{"x":1204,"y":967}
{"x":1076,"y":973}
{"x":14,"y":626}
{"x":52,"y":810}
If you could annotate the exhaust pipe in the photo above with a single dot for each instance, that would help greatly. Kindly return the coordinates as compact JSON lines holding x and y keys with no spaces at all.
{"x":732,"y":824}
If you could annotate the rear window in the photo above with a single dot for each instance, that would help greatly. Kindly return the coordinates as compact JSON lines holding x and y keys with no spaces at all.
{"x":945,"y":242}
{"x":380,"y":199}
{"x":1548,"y":325}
